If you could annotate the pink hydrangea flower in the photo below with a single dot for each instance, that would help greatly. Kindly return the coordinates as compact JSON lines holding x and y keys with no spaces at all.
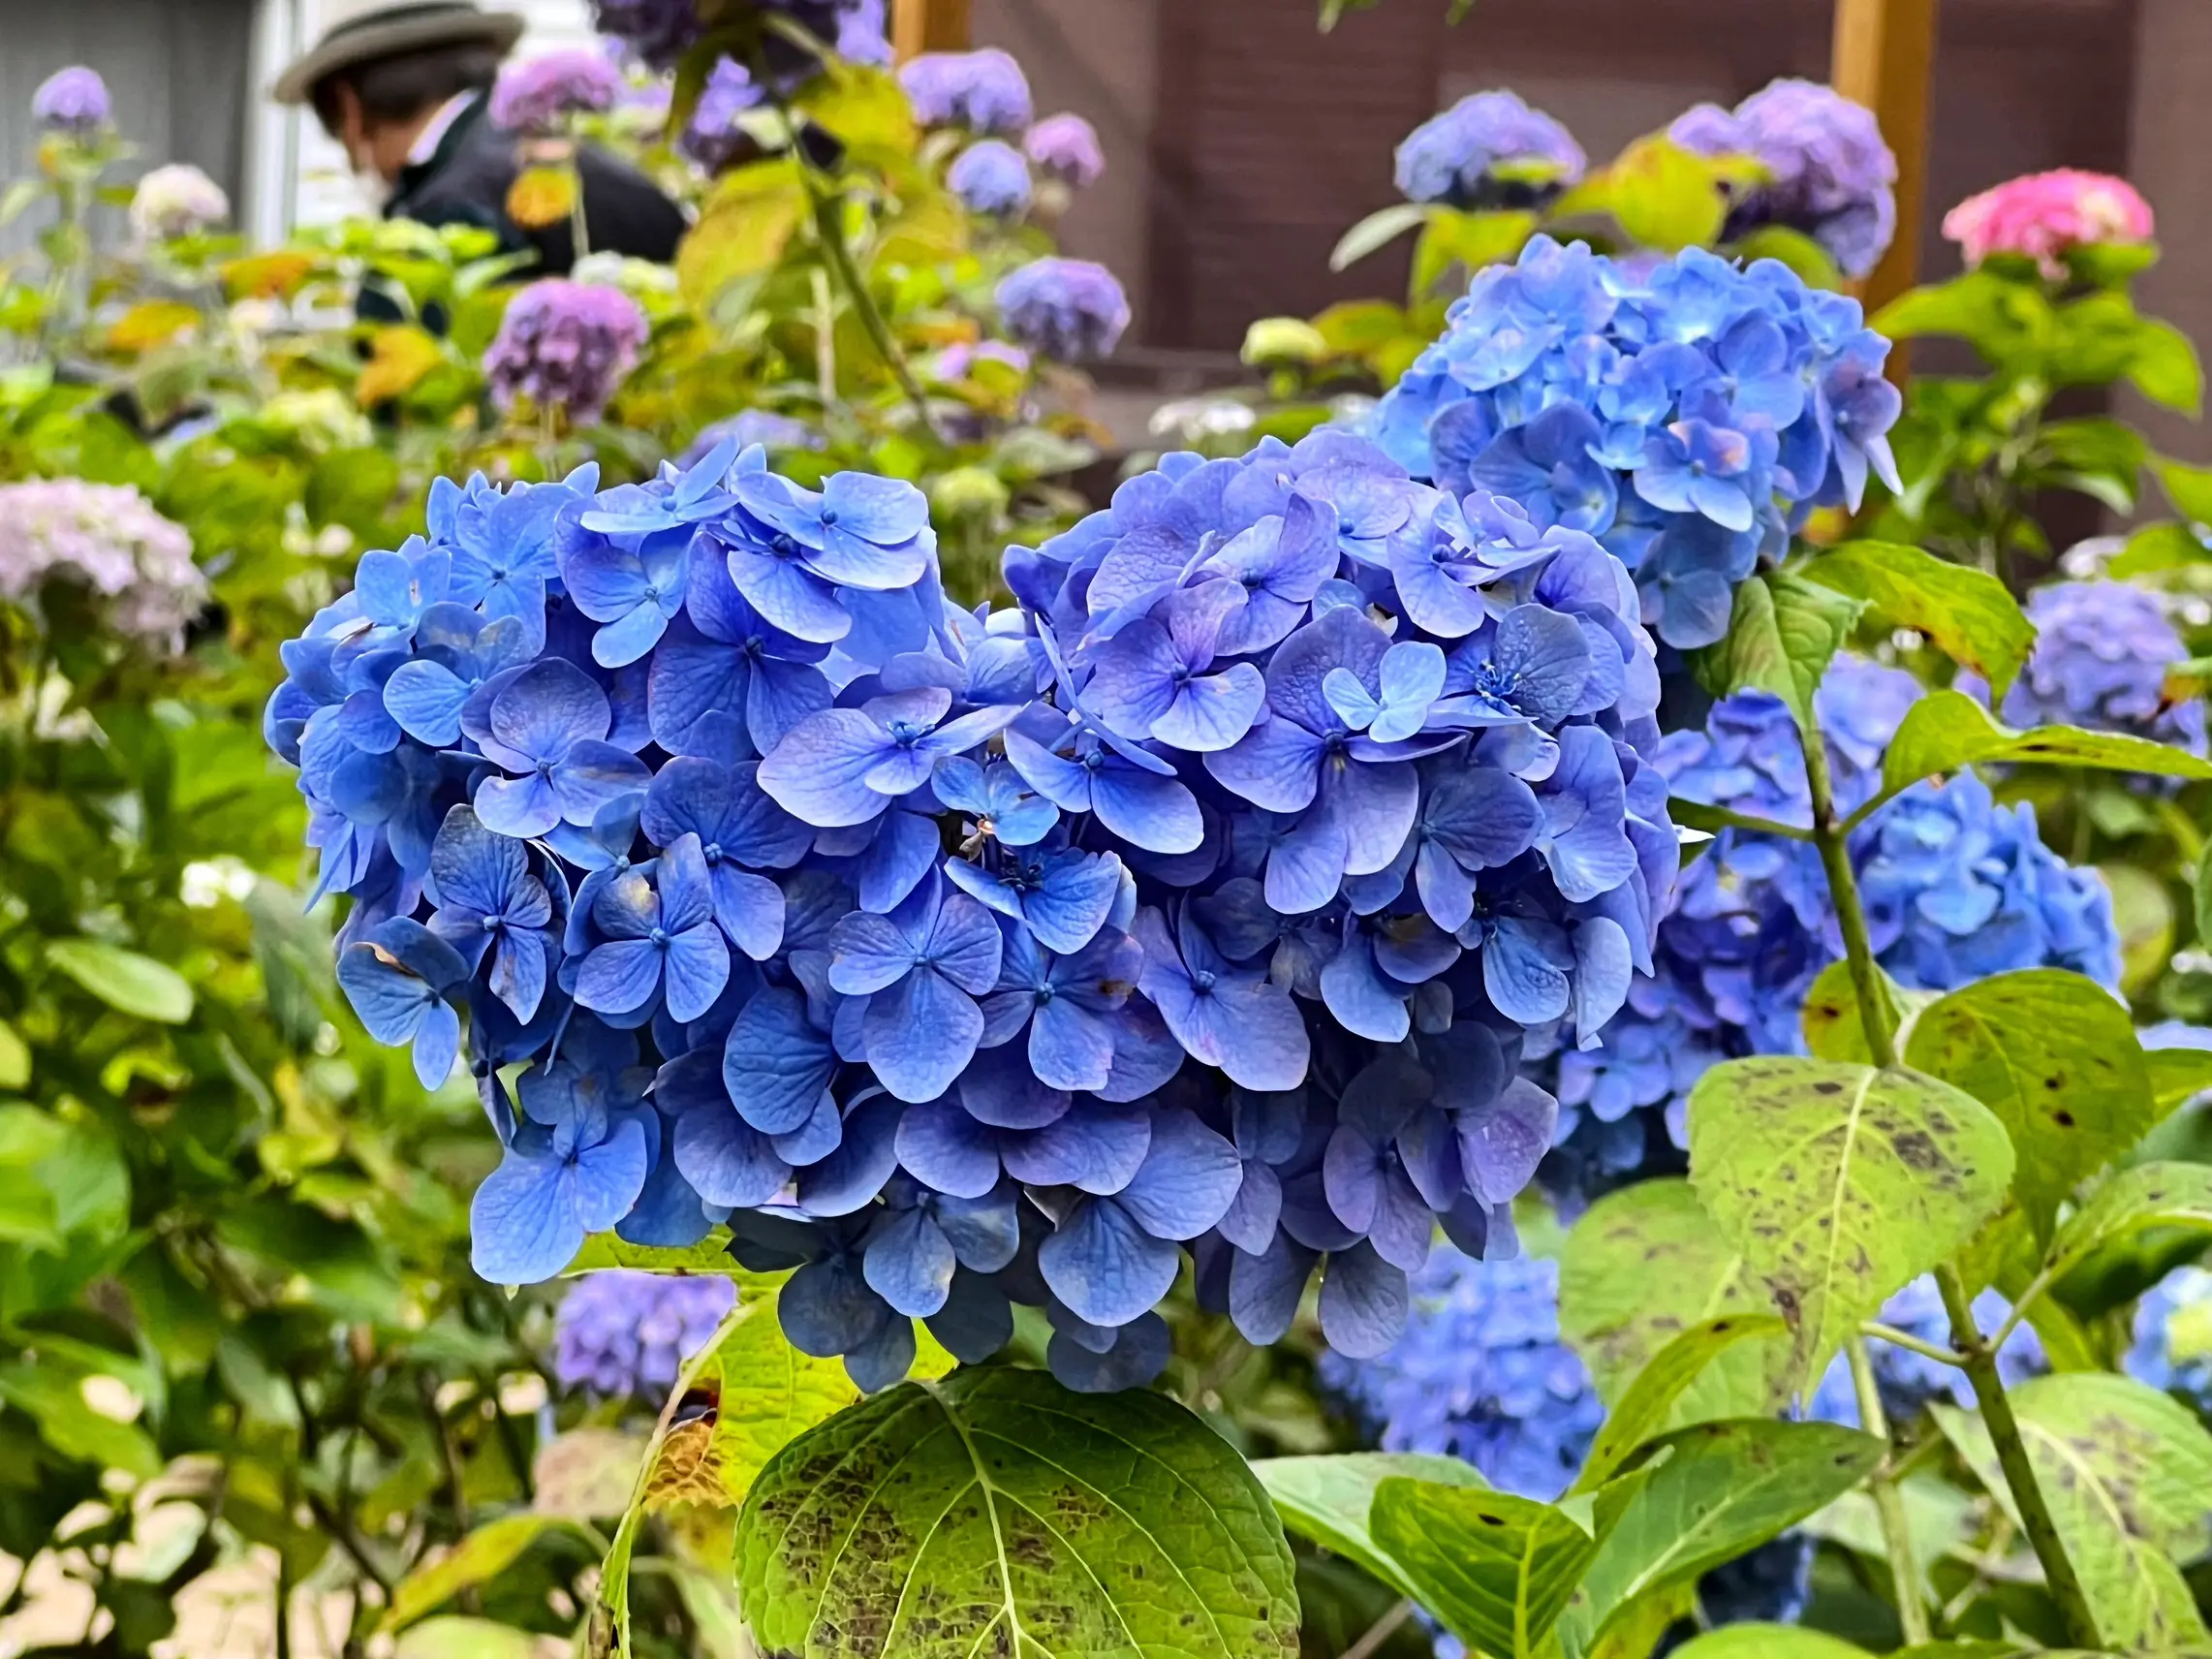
{"x":107,"y":537}
{"x":537,"y":95}
{"x":2044,"y":214}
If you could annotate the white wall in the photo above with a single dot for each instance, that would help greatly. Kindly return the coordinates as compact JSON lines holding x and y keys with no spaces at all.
{"x":297,"y":174}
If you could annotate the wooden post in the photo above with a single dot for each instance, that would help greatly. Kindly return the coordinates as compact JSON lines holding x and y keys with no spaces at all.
{"x":929,"y":25}
{"x":1885,"y":58}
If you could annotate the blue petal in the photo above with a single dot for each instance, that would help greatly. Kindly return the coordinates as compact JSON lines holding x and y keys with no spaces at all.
{"x":1097,"y":1147}
{"x":908,"y":1263}
{"x":1363,"y":1303}
{"x":522,"y":1222}
{"x":1188,"y":1180}
{"x":922,"y":1033}
{"x":947,"y":1149}
{"x":1105,"y":1268}
{"x":775,"y":1064}
{"x":817,"y":773}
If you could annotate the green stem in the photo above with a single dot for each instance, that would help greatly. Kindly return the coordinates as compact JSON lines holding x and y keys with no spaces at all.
{"x":579,"y":229}
{"x":1890,"y":1502}
{"x":829,"y":222}
{"x":1978,"y":1359}
{"x":1896,"y":1338}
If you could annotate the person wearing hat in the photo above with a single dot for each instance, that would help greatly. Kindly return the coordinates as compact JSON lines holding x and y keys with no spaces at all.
{"x":406,"y":89}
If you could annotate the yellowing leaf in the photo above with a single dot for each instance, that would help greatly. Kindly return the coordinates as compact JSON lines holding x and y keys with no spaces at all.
{"x":743,"y":229}
{"x":542,"y":196}
{"x":399,"y":357}
{"x":268,"y":276}
{"x":151,"y":323}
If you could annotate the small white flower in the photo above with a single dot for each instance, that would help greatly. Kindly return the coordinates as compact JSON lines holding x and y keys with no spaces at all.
{"x":177,"y":201}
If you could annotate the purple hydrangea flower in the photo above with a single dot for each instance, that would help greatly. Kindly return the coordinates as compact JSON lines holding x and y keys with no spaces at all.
{"x":72,"y":101}
{"x":713,"y":137}
{"x":567,"y":345}
{"x":1073,"y":310}
{"x":2101,"y":657}
{"x":1830,"y":173}
{"x":1487,"y":150}
{"x":108,"y":540}
{"x":1197,"y":907}
{"x":1688,"y":412}
{"x":984,"y":91}
{"x":539,"y":94}
{"x":861,"y":34}
{"x":1067,"y":148}
{"x":990,"y":177}
{"x":625,"y":1335}
{"x":656,"y":32}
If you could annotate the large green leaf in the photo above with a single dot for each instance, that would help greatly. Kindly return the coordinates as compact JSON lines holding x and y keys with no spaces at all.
{"x":1645,"y":1408}
{"x":2177,"y":1076}
{"x":2055,"y":1057}
{"x":2134,"y":1201}
{"x":1768,"y":1642}
{"x":1969,"y":613}
{"x":1641,"y":1267}
{"x":124,"y":980}
{"x":476,"y":1560}
{"x":709,"y":1256}
{"x":1840,"y":1183}
{"x":1328,"y":1500}
{"x":1946,"y":730}
{"x":1380,"y":228}
{"x":2113,"y":1459}
{"x":769,"y":1395}
{"x":1665,"y":196}
{"x":997,"y":1511}
{"x":1830,"y":1018}
{"x":1720,"y":1489}
{"x":1496,"y":1571}
{"x":1784,"y":633}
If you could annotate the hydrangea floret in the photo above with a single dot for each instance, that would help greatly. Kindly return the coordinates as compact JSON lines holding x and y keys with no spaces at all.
{"x":715,"y":136}
{"x":1201,"y":903}
{"x":73,"y":102}
{"x":1689,"y":414}
{"x":990,"y":177}
{"x":983,"y":91}
{"x":565,"y":345}
{"x":2043,"y":215}
{"x":1826,"y":170}
{"x":1066,"y":148}
{"x":2101,"y":660}
{"x":1488,"y":150}
{"x":1069,"y":309}
{"x":621,"y":1334}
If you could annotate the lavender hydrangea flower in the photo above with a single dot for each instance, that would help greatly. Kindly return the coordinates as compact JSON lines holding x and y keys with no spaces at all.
{"x":565,"y":345}
{"x":1066,"y":146}
{"x":2101,"y":657}
{"x":539,"y":94}
{"x":1073,"y":310}
{"x":1689,"y":414}
{"x":713,"y":137}
{"x":177,"y":201}
{"x":71,"y":100}
{"x":1828,"y":172}
{"x":1487,"y":150}
{"x":1200,"y":905}
{"x":990,"y":177}
{"x":1956,"y":887}
{"x":1909,"y":1382}
{"x":861,"y":34}
{"x":625,"y":1335}
{"x":984,"y":91}
{"x":109,"y":541}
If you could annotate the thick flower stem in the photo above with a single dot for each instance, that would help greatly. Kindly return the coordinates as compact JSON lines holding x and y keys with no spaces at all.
{"x":1975,"y":1352}
{"x":829,"y":222}
{"x":1890,"y":1503}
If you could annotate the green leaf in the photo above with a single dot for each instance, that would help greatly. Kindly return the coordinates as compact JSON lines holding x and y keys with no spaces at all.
{"x":1664,"y":197}
{"x":2159,"y":548}
{"x":1327,"y":1500}
{"x":1840,"y":1183}
{"x":1380,"y":228}
{"x":2055,"y":1057}
{"x":51,"y":1396}
{"x":14,"y":1058}
{"x":1969,"y":613}
{"x":745,"y":225}
{"x":2094,"y":1442}
{"x":1496,"y":1571}
{"x":863,"y":109}
{"x":1644,"y":1411}
{"x":124,"y":980}
{"x":1830,"y":1022}
{"x":1721,"y":1490}
{"x":771,"y":1395}
{"x":1641,"y":1267}
{"x":710,"y":1256}
{"x":465,"y":1639}
{"x":1768,"y":1642}
{"x":998,"y":1511}
{"x":1470,"y":240}
{"x":476,"y":1560}
{"x":1783,"y":635}
{"x":1946,"y":730}
{"x":1794,"y":249}
{"x":2188,"y":487}
{"x":2164,"y":367}
{"x":2178,"y":1076}
{"x":2134,"y":1201}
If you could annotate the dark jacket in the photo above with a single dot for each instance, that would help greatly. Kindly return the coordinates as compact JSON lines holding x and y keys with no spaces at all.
{"x":466,"y":181}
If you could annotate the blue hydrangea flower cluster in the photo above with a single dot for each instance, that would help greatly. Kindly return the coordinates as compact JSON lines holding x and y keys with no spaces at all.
{"x":1488,"y":150}
{"x":71,"y":100}
{"x":991,"y":177}
{"x":624,"y":1334}
{"x":1073,"y":310}
{"x":1955,"y":888}
{"x":983,"y":91}
{"x":1688,"y":414}
{"x":1480,"y":1375}
{"x":1909,"y":1382}
{"x":2101,"y":657}
{"x":715,"y":136}
{"x":954,"y":959}
{"x":1771,"y":1584}
{"x":2173,"y":1349}
{"x":1828,"y":172}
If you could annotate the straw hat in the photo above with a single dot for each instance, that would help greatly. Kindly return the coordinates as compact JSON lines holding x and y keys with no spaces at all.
{"x":359,"y":30}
